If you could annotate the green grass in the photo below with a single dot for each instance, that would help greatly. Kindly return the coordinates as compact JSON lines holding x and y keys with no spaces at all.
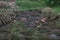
{"x":27,"y":5}
{"x":33,"y":4}
{"x":57,"y":10}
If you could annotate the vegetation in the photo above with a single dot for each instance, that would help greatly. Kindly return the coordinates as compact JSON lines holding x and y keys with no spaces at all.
{"x":24,"y":23}
{"x":37,"y":4}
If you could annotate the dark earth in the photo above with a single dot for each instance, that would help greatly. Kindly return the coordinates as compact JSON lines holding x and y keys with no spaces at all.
{"x":49,"y":30}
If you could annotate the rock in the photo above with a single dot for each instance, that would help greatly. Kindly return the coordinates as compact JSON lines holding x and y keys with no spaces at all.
{"x":54,"y":36}
{"x":23,"y":19}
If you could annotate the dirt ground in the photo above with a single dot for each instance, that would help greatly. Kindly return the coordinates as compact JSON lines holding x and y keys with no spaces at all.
{"x":49,"y":29}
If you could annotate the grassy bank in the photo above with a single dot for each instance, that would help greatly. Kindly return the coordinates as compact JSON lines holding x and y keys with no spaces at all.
{"x":33,"y":4}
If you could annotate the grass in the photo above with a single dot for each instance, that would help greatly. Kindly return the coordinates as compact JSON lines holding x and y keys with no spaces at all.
{"x":27,"y":5}
{"x":33,"y":4}
{"x":57,"y":9}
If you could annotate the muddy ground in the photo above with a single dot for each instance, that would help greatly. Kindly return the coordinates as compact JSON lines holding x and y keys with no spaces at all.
{"x":32,"y":28}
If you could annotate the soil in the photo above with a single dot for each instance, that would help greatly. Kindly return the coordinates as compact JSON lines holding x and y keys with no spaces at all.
{"x":32,"y":20}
